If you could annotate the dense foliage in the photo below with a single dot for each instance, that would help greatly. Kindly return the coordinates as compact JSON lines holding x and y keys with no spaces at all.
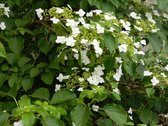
{"x":83,"y":62}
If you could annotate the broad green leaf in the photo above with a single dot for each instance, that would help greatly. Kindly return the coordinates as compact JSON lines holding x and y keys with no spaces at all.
{"x":21,"y":22}
{"x":62,"y":95}
{"x":116,"y":96}
{"x":51,"y":121}
{"x":116,"y":113}
{"x":42,"y":93}
{"x":110,"y":42}
{"x":28,"y":119}
{"x":2,"y":51}
{"x":104,"y":122}
{"x":27,"y":83}
{"x":13,"y":79}
{"x":162,"y":4}
{"x":116,"y":3}
{"x":150,"y":91}
{"x":24,"y":101}
{"x":47,"y":78}
{"x":12,"y":58}
{"x":34,"y":72}
{"x":155,"y":42}
{"x":84,"y":4}
{"x":80,"y":115}
{"x":3,"y":117}
{"x":22,"y":61}
{"x":2,"y":78}
{"x":44,"y":46}
{"x":146,"y":116}
{"x":16,"y":44}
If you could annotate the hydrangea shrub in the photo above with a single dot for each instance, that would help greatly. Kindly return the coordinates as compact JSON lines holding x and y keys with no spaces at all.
{"x":103,"y":64}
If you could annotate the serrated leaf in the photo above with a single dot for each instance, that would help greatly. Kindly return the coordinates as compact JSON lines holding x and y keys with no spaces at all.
{"x":47,"y":78}
{"x":110,"y":42}
{"x":116,"y":113}
{"x":80,"y":115}
{"x":62,"y":95}
{"x":34,"y":72}
{"x":42,"y":93}
{"x":2,"y":51}
{"x":28,"y":119}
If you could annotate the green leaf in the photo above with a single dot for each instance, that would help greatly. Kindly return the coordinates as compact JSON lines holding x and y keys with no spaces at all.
{"x":150,"y":91}
{"x":28,"y":119}
{"x":146,"y":116}
{"x":2,"y":78}
{"x":34,"y":72}
{"x":116,"y":113}
{"x":162,"y":4}
{"x":2,"y":51}
{"x":44,"y":46}
{"x":47,"y":78}
{"x":42,"y":93}
{"x":80,"y":115}
{"x":3,"y":117}
{"x":51,"y":121}
{"x":116,"y":96}
{"x":24,"y":101}
{"x":110,"y":42}
{"x":27,"y":83}
{"x":84,"y":4}
{"x":155,"y":42}
{"x":104,"y":122}
{"x":21,"y":22}
{"x":22,"y":61}
{"x":16,"y":44}
{"x":62,"y":95}
{"x":116,"y":3}
{"x":13,"y":79}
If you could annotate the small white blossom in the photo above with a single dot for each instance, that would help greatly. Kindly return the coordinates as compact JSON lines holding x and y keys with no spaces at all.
{"x":61,"y":39}
{"x":143,"y":42}
{"x":57,"y":87}
{"x":147,"y":73}
{"x":134,"y":15}
{"x":116,"y":90}
{"x":99,"y":28}
{"x":2,"y":26}
{"x":84,"y":41}
{"x":80,"y":79}
{"x":72,"y":23}
{"x":84,"y":57}
{"x":82,"y":20}
{"x":19,"y":123}
{"x":141,"y":53}
{"x":61,"y":77}
{"x":130,"y":111}
{"x":95,"y":79}
{"x":111,"y":29}
{"x":75,"y":50}
{"x":81,"y":13}
{"x":80,"y":89}
{"x":86,"y":69}
{"x":118,"y":74}
{"x":54,"y":20}
{"x":95,"y":108}
{"x":89,"y":14}
{"x":97,"y":48}
{"x":137,"y":44}
{"x":166,"y":67}
{"x":70,"y":41}
{"x":39,"y":13}
{"x":59,"y":10}
{"x":163,"y":74}
{"x":155,"y":12}
{"x":118,"y":59}
{"x":154,"y":81}
{"x":123,"y":48}
{"x":138,"y":28}
{"x":97,"y":12}
{"x":165,"y":15}
{"x":75,"y":31}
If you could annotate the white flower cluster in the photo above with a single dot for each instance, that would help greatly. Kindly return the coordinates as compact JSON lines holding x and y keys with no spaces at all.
{"x":69,"y":41}
{"x":123,"y":48}
{"x":154,"y":80}
{"x":135,"y":15}
{"x":126,"y":25}
{"x":6,"y":9}
{"x":2,"y":26}
{"x":96,"y":78}
{"x":39,"y":13}
{"x":130,"y":113}
{"x":150,"y":18}
{"x":138,"y":45}
{"x":96,"y":45}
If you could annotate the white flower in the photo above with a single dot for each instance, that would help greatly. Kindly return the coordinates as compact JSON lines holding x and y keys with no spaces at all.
{"x":81,"y":13}
{"x":116,"y":90}
{"x":166,"y":67}
{"x":19,"y":123}
{"x":138,"y":28}
{"x":111,"y":29}
{"x":84,"y":57}
{"x":148,"y":15}
{"x":75,"y":31}
{"x":163,"y":74}
{"x":61,"y":77}
{"x":123,"y":48}
{"x":130,"y":111}
{"x":125,"y":32}
{"x":61,"y":39}
{"x":165,"y":15}
{"x":95,"y":79}
{"x":80,"y":79}
{"x":99,"y":28}
{"x":57,"y":87}
{"x":72,"y":23}
{"x":84,"y":41}
{"x":154,"y":81}
{"x":143,"y":42}
{"x":97,"y":12}
{"x":75,"y":50}
{"x":6,"y":11}
{"x":141,"y":53}
{"x":70,"y":41}
{"x":147,"y":73}
{"x":155,"y":12}
{"x":80,"y":89}
{"x":39,"y":13}
{"x":118,"y":59}
{"x":134,"y":15}
{"x":97,"y":48}
{"x":59,"y":10}
{"x":54,"y":20}
{"x":118,"y":74}
{"x":126,"y":24}
{"x":2,"y":26}
{"x":86,"y":69}
{"x":89,"y":14}
{"x":95,"y":108}
{"x":82,"y":20}
{"x":137,"y":44}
